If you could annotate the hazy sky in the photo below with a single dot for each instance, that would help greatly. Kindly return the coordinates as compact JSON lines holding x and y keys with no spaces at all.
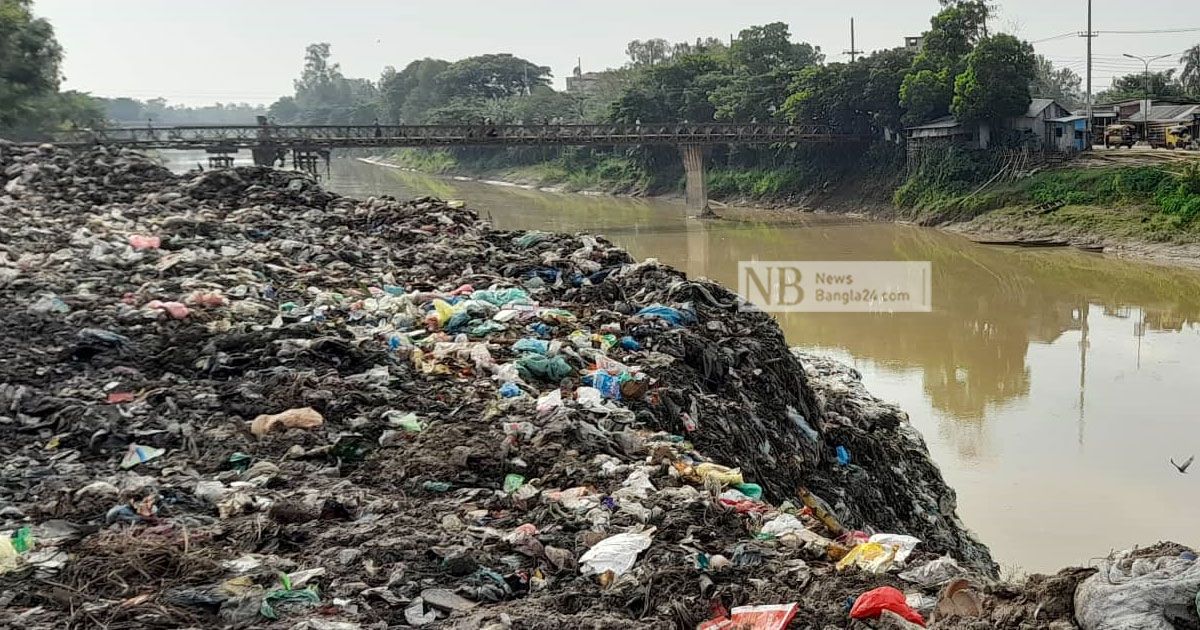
{"x":200,"y":51}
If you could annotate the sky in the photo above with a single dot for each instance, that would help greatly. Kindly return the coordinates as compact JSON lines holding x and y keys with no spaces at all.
{"x":203,"y":51}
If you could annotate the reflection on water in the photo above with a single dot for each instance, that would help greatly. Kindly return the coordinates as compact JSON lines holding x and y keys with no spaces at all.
{"x":1052,"y":386}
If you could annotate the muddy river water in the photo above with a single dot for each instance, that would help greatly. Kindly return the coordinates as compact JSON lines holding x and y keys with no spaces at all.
{"x":1052,"y":386}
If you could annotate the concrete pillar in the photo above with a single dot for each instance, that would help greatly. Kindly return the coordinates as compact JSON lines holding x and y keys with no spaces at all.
{"x":697,"y":189}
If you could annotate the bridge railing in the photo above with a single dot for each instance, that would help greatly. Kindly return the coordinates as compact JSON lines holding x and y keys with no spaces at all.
{"x":299,"y":136}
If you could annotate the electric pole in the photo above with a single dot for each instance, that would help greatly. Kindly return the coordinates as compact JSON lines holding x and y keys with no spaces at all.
{"x":1146,"y":110}
{"x":1090,"y":35}
{"x":853,"y":52}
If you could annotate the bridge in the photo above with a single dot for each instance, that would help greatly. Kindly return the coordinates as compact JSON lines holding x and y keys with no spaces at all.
{"x":307,"y":143}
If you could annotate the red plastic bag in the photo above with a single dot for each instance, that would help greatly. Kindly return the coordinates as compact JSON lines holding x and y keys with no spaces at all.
{"x":871,"y":604}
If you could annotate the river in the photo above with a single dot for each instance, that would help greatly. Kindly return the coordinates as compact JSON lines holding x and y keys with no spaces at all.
{"x":1052,"y":386}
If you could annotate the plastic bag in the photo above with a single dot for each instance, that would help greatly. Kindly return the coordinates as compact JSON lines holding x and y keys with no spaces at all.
{"x":869,"y":556}
{"x":933,"y":573}
{"x":672,"y":316}
{"x":904,"y":544}
{"x":1135,"y":592}
{"x":872,"y":603}
{"x":770,"y":617}
{"x":719,"y":474}
{"x":615,"y":553}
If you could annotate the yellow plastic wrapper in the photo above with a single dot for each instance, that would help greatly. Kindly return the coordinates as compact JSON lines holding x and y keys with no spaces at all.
{"x":444,"y":312}
{"x":870,"y":557}
{"x":719,"y":474}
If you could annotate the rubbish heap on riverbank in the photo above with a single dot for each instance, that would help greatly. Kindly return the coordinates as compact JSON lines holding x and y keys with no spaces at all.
{"x":235,"y":399}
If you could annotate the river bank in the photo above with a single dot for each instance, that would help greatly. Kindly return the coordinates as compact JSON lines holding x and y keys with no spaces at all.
{"x":1036,"y":211}
{"x":239,"y":376}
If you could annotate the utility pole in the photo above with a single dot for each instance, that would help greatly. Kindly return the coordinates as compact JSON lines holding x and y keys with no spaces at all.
{"x":853,"y":52}
{"x":1146,"y":89}
{"x":1090,"y":35}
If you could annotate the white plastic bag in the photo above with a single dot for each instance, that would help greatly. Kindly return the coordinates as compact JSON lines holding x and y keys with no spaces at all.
{"x":615,"y":553}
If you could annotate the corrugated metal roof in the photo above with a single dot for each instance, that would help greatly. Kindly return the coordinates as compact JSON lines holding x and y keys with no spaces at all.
{"x":945,"y":122}
{"x":1166,"y":113}
{"x":1037,"y":105}
{"x":1067,"y":119}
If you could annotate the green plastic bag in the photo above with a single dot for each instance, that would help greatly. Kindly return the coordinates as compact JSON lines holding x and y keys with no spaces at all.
{"x":513,"y":482}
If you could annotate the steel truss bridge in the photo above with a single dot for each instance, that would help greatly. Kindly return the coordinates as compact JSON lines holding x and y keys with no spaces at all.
{"x":308,"y":137}
{"x":308,"y":144}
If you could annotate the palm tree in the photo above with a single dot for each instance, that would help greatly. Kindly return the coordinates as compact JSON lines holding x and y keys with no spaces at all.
{"x":1190,"y":78}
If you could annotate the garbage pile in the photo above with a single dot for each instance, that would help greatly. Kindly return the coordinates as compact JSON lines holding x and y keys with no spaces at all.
{"x":237,"y":400}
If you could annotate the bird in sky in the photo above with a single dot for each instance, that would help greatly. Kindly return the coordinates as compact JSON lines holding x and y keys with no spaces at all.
{"x":1184,"y":466}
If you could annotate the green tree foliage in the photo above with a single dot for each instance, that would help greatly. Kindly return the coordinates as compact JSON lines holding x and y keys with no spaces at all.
{"x":29,"y":59}
{"x":858,"y":97}
{"x":128,"y":111}
{"x":672,"y":92}
{"x":492,"y":76}
{"x":1060,"y":84}
{"x":324,"y":96}
{"x":996,"y":82}
{"x":408,"y":94}
{"x":1135,"y":86}
{"x":928,"y":89}
{"x":650,"y":52}
{"x":1189,"y":78}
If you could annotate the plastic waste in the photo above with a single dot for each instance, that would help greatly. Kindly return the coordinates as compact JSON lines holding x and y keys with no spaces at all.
{"x":870,"y":557}
{"x":48,"y":304}
{"x":537,"y":346}
{"x":768,"y":617}
{"x":409,"y":421}
{"x":1136,"y":592}
{"x":843,"y":456}
{"x":510,"y":390}
{"x":10,"y":560}
{"x":503,"y":297}
{"x":872,"y":603}
{"x":608,"y":385}
{"x":615,"y":553}
{"x":933,"y":573}
{"x":551,"y":369}
{"x":751,"y":490}
{"x":721,"y":475}
{"x":904,"y":544}
{"x":301,"y":418}
{"x":958,"y":599}
{"x":549,"y":401}
{"x":135,"y":455}
{"x":672,"y":316}
{"x":512,"y":482}
{"x":141,"y":241}
{"x":177,"y":310}
{"x":629,"y":343}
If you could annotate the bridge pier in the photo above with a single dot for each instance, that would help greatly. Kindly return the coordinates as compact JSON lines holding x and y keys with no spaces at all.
{"x":696,"y":191}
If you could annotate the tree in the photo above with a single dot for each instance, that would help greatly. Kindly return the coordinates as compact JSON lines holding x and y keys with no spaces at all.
{"x":762,"y":49}
{"x":1190,"y":77}
{"x":648,"y":53}
{"x":952,"y":35}
{"x":1060,"y":84}
{"x":407,"y":95}
{"x":996,"y":82}
{"x":492,"y":76}
{"x":671,"y":92}
{"x":29,"y":61}
{"x":1139,"y":85}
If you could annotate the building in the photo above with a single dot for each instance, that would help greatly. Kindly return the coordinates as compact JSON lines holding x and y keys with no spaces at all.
{"x":914,"y":43}
{"x":1067,"y":134}
{"x":583,"y":83}
{"x":1151,"y":118}
{"x":1033,"y":127}
{"x":1039,"y":127}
